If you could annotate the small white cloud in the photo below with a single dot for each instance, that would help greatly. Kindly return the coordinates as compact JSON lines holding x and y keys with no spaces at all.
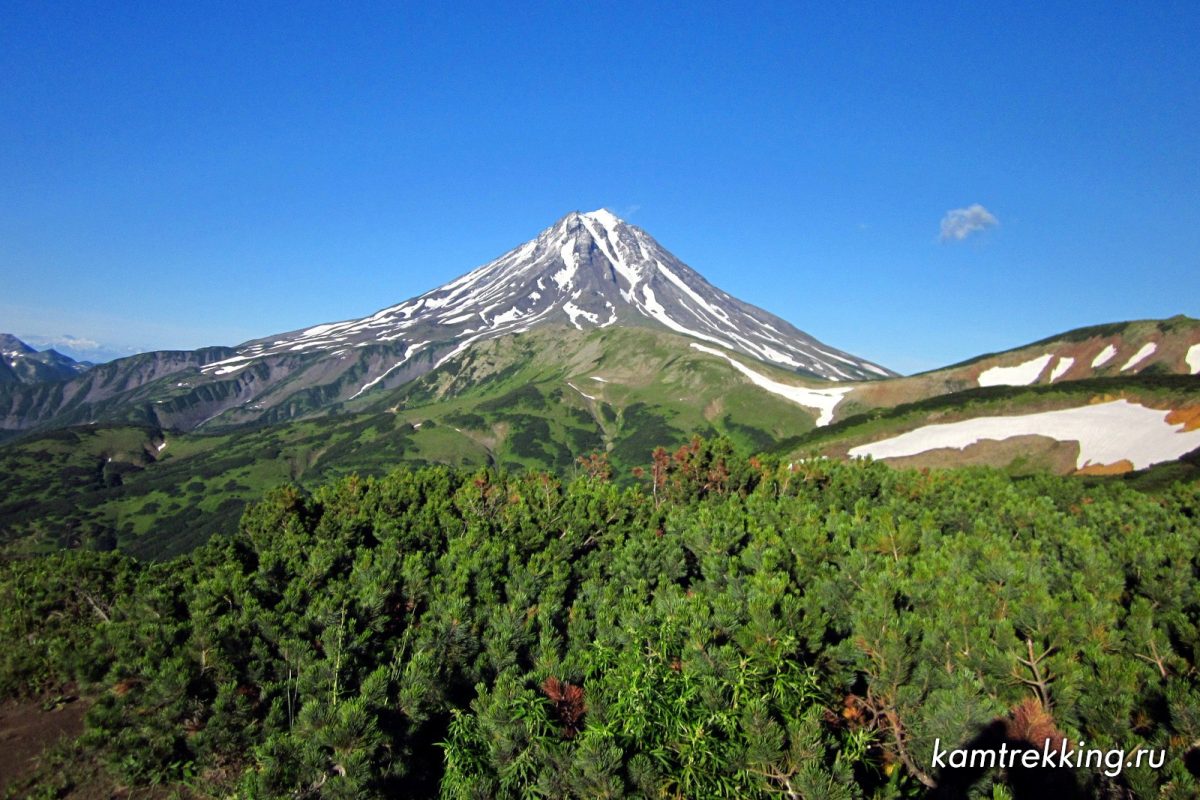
{"x":65,"y":340}
{"x":959,"y":223}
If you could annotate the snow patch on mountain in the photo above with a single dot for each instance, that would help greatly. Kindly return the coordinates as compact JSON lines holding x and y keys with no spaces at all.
{"x":228,"y":365}
{"x":1193,"y":359}
{"x":508,"y":316}
{"x":456,"y":319}
{"x":1141,"y":355}
{"x":700,"y":301}
{"x":576,"y":388}
{"x":1104,"y":356}
{"x":1106,"y":432}
{"x":409,"y":353}
{"x":572,"y":311}
{"x":1061,"y":368}
{"x":659,"y":312}
{"x":1020,"y":375}
{"x":823,"y":400}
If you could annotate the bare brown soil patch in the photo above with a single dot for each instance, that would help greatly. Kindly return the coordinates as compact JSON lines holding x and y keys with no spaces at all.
{"x":30,"y":727}
{"x":885,"y":394}
{"x":41,"y":755}
{"x":1115,"y":468}
{"x":1189,"y":417}
{"x":1024,"y":453}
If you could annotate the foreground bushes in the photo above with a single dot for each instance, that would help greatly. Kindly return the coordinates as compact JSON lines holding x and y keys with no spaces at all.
{"x":732,"y":629}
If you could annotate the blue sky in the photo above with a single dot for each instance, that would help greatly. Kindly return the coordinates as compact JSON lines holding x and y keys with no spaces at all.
{"x":177,"y":178}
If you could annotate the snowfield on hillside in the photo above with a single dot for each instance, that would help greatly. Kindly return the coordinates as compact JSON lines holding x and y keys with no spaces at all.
{"x":1193,"y":359}
{"x":1104,"y":356}
{"x":1141,"y":355}
{"x":1061,"y":368}
{"x":1020,"y":375}
{"x":1106,"y":432}
{"x":823,"y":400}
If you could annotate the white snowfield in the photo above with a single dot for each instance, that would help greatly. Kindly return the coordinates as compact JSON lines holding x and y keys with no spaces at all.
{"x":228,"y":365}
{"x":1106,"y":432}
{"x":1141,"y":355}
{"x":1104,"y":356}
{"x":409,"y":353}
{"x":1020,"y":375}
{"x":581,"y":391}
{"x":573,"y":312}
{"x":823,"y":400}
{"x":1193,"y":359}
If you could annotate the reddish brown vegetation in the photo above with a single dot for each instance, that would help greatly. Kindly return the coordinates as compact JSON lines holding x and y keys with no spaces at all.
{"x":1031,"y":722}
{"x":596,"y":466}
{"x":568,"y":702}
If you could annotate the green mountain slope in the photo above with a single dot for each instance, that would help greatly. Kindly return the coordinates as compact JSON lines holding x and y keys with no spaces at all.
{"x":537,"y":400}
{"x":543,"y":399}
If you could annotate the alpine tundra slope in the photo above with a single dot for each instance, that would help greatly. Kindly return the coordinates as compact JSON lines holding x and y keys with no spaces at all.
{"x":1107,"y":399}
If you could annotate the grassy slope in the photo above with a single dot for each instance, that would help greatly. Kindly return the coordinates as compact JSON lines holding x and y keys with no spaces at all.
{"x":1172,"y":338}
{"x":515,"y":402}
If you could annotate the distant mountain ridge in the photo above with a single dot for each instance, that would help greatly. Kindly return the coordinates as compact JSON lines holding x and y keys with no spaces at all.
{"x":22,"y":364}
{"x":588,"y":271}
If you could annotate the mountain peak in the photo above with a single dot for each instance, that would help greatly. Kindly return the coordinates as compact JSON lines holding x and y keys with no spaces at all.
{"x":11,"y":345}
{"x":588,"y":270}
{"x":603,"y":216}
{"x":20,"y":363}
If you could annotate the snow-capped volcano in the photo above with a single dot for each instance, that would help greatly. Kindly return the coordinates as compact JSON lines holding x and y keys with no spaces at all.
{"x":587,"y":270}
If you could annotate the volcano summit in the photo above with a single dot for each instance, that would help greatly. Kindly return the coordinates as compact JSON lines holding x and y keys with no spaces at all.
{"x":586,"y":270}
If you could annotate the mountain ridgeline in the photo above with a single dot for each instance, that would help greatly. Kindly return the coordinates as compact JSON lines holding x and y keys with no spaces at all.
{"x":586,"y":272}
{"x":22,"y":364}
